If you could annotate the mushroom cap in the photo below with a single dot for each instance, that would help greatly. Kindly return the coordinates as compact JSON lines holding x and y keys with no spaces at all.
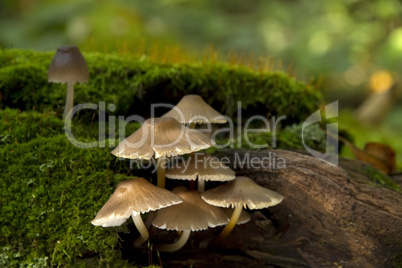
{"x":191,"y":215}
{"x":244,"y":216}
{"x":133,"y":196}
{"x":242,"y":192}
{"x":204,"y":166}
{"x":193,"y":109}
{"x":162,"y":137}
{"x":68,"y":65}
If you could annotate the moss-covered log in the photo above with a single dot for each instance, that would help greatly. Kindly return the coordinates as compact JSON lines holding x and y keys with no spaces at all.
{"x":51,"y":191}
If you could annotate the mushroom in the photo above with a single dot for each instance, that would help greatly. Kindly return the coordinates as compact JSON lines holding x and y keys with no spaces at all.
{"x":132,"y":198}
{"x":161,"y":138}
{"x":192,"y":109}
{"x":191,"y":215}
{"x":243,"y":218}
{"x":203,"y":166}
{"x":242,"y":192}
{"x":68,"y":66}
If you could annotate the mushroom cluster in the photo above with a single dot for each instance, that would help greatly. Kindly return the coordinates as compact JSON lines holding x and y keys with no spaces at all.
{"x":182,"y":209}
{"x":171,"y":135}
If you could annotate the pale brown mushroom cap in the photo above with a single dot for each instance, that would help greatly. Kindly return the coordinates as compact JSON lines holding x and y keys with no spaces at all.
{"x":244,"y":216}
{"x":68,"y":65}
{"x":133,"y":196}
{"x":162,"y":137}
{"x":191,"y":215}
{"x":204,"y":166}
{"x":193,"y":109}
{"x":242,"y":192}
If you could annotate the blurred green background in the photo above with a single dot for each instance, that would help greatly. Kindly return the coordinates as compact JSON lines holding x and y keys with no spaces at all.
{"x":351,"y":48}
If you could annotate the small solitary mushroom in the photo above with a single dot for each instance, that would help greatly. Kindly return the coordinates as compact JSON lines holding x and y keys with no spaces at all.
{"x":161,"y":138}
{"x":192,"y":109}
{"x":203,"y":166}
{"x":191,"y":215}
{"x":242,"y":192}
{"x":68,"y":66}
{"x":132,"y":198}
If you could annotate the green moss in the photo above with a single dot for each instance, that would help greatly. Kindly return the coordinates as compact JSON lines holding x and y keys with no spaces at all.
{"x":292,"y":137}
{"x":54,"y":190}
{"x":288,"y":138}
{"x":380,"y":178}
{"x":132,"y":83}
{"x":396,"y":261}
{"x":20,"y":127}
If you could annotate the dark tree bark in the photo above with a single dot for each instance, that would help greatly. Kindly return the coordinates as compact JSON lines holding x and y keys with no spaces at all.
{"x":330,"y":217}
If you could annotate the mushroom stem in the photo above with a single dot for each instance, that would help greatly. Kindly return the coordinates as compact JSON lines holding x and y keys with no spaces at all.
{"x":176,"y":245}
{"x":69,"y":100}
{"x":201,"y":185}
{"x":161,"y":170}
{"x":192,"y":184}
{"x":232,"y":223}
{"x":139,"y":223}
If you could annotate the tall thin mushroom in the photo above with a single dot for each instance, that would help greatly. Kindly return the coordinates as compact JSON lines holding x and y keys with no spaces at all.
{"x":242,"y":192}
{"x":132,"y":198}
{"x":68,"y":66}
{"x":161,"y":138}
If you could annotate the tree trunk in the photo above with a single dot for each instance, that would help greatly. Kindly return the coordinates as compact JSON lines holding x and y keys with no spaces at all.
{"x":330,"y":217}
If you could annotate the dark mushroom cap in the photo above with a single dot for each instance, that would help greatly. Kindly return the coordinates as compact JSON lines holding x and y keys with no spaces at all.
{"x":68,"y":66}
